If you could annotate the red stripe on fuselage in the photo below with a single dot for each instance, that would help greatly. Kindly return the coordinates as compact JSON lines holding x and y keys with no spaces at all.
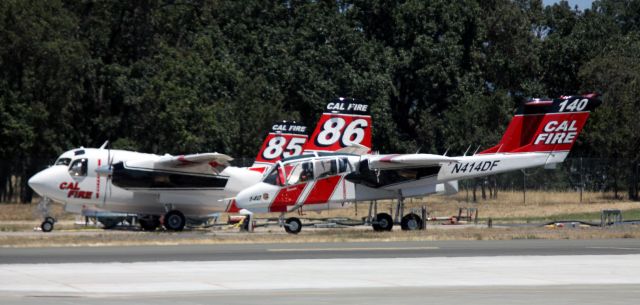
{"x":259,"y":169}
{"x":232,"y":207}
{"x":322,"y":190}
{"x":286,"y":196}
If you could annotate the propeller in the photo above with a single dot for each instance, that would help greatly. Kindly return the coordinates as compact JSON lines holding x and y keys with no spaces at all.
{"x":106,"y":170}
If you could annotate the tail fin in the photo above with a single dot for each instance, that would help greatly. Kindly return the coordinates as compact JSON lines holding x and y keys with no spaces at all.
{"x":285,"y":139}
{"x":345,"y":122}
{"x":546,"y":125}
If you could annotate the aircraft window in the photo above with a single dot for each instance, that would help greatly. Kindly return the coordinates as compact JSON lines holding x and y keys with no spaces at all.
{"x":343,"y":165}
{"x":325,"y":168}
{"x":275,"y":176}
{"x":63,"y":161}
{"x":301,"y":172}
{"x":272,"y":177}
{"x":78,"y":168}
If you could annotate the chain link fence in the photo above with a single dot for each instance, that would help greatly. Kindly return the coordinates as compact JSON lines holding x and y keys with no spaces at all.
{"x":619,"y":177}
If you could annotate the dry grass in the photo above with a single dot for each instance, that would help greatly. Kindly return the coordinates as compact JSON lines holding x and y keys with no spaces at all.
{"x":509,"y":207}
{"x":16,"y":212}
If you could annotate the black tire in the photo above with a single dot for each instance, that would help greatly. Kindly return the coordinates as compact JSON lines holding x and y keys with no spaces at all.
{"x":246,"y":222}
{"x":149,"y":224}
{"x":174,"y":221}
{"x":411,"y":222}
{"x":383,"y":222}
{"x":46,"y":226}
{"x":109,"y":223}
{"x":50,"y":219}
{"x":293,"y":225}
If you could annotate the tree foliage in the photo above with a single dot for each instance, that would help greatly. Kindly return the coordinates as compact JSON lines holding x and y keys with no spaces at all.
{"x":185,"y":76}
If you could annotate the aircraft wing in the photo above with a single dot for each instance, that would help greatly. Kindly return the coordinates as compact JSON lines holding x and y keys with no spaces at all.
{"x":193,"y":160}
{"x":354,"y":148}
{"x":408,"y":161}
{"x":215,"y":160}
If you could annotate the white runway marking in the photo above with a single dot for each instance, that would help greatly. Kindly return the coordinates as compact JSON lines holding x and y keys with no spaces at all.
{"x":350,"y":249}
{"x":171,"y":277}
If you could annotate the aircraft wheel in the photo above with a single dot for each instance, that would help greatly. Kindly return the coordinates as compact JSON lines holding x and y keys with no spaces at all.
{"x":50,"y":219}
{"x":383,"y":222}
{"x":149,"y":224}
{"x":46,"y":226}
{"x":174,"y":221}
{"x":109,"y":223}
{"x":293,"y":225}
{"x":411,"y":222}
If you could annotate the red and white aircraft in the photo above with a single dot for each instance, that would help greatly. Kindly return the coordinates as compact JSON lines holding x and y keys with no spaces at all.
{"x":541,"y":134}
{"x":154,"y":187}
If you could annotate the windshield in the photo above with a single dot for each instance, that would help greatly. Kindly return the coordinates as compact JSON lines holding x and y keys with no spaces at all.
{"x":299,"y":172}
{"x":274,"y":176}
{"x":63,"y":161}
{"x":78,"y":168}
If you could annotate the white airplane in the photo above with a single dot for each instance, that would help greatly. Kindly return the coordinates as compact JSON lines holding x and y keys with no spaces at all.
{"x":159,"y":189}
{"x":541,"y":134}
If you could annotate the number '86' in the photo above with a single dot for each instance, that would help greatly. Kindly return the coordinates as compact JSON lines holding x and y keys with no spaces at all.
{"x":332,"y":132}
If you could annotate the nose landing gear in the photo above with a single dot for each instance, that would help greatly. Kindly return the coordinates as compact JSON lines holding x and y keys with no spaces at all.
{"x":43,"y":209}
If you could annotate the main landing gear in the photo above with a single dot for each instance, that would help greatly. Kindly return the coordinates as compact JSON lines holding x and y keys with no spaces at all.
{"x":149,"y":223}
{"x":384,"y":222}
{"x":293,"y":225}
{"x":174,"y":220}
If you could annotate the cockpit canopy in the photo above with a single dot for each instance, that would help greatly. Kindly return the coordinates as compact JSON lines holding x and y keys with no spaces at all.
{"x":77,"y":166}
{"x":303,"y":170}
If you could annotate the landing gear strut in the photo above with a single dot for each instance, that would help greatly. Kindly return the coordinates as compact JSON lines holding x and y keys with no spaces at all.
{"x":384,"y":221}
{"x":43,"y":209}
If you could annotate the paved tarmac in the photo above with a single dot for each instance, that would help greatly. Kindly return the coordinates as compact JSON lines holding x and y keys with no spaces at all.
{"x":285,"y":251}
{"x":492,"y":295}
{"x":434,"y":272}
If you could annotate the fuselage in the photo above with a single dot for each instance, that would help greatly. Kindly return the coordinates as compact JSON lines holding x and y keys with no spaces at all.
{"x":74,"y":181}
{"x":330,"y":180}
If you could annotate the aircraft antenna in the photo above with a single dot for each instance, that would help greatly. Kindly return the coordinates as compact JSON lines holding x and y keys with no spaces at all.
{"x":466,"y":151}
{"x":446,"y":151}
{"x":104,"y":144}
{"x":474,"y":153}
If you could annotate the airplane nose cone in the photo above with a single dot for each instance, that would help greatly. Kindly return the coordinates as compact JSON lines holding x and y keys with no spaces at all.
{"x":45,"y":182}
{"x":253,"y":198}
{"x":38,"y":182}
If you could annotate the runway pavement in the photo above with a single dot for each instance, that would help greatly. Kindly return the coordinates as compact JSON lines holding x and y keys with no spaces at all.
{"x":275,"y":251}
{"x":471,"y":272}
